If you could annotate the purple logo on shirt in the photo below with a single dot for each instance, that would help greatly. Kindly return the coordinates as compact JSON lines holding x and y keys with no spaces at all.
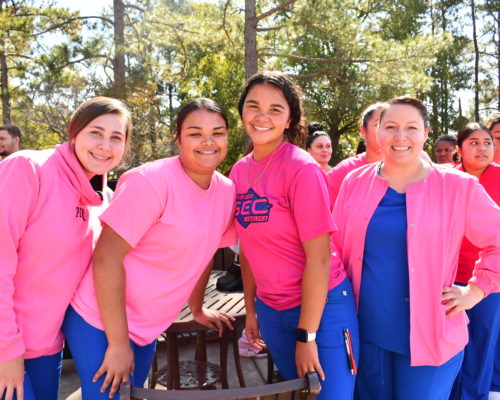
{"x":250,"y":207}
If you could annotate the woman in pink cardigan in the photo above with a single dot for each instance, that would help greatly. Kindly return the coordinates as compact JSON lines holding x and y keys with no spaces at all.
{"x":400,"y":225}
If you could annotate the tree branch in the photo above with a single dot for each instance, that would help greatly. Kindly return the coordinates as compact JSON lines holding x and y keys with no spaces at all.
{"x":68,"y":21}
{"x":313,"y":59}
{"x":279,"y":7}
{"x":272,"y":28}
{"x":176,"y":26}
{"x":224,"y":16}
{"x":135,"y":7}
{"x":311,"y":75}
{"x":338,"y":60}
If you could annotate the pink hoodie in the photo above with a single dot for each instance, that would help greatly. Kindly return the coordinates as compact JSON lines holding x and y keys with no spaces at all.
{"x":443,"y":208}
{"x":47,"y":231}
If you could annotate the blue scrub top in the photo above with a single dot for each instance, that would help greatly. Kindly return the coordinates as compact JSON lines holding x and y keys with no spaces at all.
{"x":384,"y":307}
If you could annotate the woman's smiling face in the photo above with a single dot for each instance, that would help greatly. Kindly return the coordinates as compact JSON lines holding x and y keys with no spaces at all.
{"x":265,"y":116}
{"x":402,"y":134}
{"x":100,"y":145}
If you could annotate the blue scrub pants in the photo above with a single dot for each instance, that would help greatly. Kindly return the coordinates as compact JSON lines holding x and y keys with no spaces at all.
{"x":278,"y":331}
{"x":88,"y":345}
{"x":41,"y":378}
{"x":480,"y":371}
{"x":385,"y":375}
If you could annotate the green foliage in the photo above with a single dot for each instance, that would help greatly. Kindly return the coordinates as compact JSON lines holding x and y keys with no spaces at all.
{"x":345,"y":54}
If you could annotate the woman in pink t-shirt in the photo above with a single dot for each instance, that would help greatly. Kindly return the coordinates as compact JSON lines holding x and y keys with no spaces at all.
{"x":165,"y":222}
{"x":49,"y":203}
{"x":482,"y":353}
{"x":294,"y":281}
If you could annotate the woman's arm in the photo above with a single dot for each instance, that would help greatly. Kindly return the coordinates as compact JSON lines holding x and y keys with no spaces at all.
{"x":109,"y":281}
{"x":482,"y":222}
{"x":19,"y":188}
{"x":249,"y":289}
{"x":209,"y":318}
{"x":314,"y":292}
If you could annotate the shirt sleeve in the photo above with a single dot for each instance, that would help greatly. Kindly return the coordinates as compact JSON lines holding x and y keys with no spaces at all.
{"x":310,"y":203}
{"x":136,"y":206}
{"x":19,"y":186}
{"x":482,"y":228}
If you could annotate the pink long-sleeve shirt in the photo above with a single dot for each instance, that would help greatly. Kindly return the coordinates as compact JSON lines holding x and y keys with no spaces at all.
{"x":490,"y":180}
{"x":47,"y":228}
{"x":441,"y":209}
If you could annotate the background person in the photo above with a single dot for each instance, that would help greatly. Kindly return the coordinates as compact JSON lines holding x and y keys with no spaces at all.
{"x":48,"y":224}
{"x":10,"y":140}
{"x":482,"y":353}
{"x":444,"y":149}
{"x":400,"y":225}
{"x":319,"y":145}
{"x":493,"y":124}
{"x":295,"y":286}
{"x":165,"y":222}
{"x":368,"y":130}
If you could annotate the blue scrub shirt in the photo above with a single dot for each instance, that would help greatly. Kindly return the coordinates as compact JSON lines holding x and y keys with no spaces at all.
{"x":384,"y":307}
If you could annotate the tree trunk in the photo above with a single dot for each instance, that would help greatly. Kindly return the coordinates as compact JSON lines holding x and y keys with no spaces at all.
{"x":498,"y":60}
{"x":4,"y":81}
{"x":251,"y":61}
{"x":476,"y":61}
{"x":119,"y":59}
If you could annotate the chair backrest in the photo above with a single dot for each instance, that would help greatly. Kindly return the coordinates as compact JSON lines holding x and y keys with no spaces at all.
{"x":304,"y":388}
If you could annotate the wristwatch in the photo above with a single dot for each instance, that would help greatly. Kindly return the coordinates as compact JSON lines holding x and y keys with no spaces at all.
{"x":304,"y":336}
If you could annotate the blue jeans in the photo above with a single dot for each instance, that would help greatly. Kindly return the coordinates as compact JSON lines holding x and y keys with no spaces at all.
{"x":278,"y":331}
{"x":386,"y":375}
{"x":88,"y":345}
{"x":41,"y":380}
{"x":481,"y":367}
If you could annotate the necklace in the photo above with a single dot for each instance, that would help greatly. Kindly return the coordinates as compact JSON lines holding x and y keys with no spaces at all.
{"x":250,"y":184}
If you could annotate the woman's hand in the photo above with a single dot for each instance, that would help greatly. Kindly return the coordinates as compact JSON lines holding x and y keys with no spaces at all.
{"x":213,"y":319}
{"x":307,"y":360}
{"x":118,"y":365}
{"x":12,"y":378}
{"x":460,"y":298}
{"x":252,"y":332}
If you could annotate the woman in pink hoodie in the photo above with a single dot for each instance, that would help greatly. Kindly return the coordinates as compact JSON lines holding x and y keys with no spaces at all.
{"x":49,"y":204}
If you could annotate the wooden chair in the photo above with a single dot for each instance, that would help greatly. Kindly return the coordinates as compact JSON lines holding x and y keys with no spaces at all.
{"x":198,"y":373}
{"x":298,"y":389}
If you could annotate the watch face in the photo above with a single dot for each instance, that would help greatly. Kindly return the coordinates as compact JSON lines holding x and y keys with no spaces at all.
{"x":301,"y":335}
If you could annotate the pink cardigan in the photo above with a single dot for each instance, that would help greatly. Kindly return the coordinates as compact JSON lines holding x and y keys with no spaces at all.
{"x":441,"y":209}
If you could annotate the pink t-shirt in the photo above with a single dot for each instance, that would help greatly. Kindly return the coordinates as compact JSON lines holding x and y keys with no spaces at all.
{"x":174,"y":228}
{"x":285,"y":207}
{"x":340,"y":171}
